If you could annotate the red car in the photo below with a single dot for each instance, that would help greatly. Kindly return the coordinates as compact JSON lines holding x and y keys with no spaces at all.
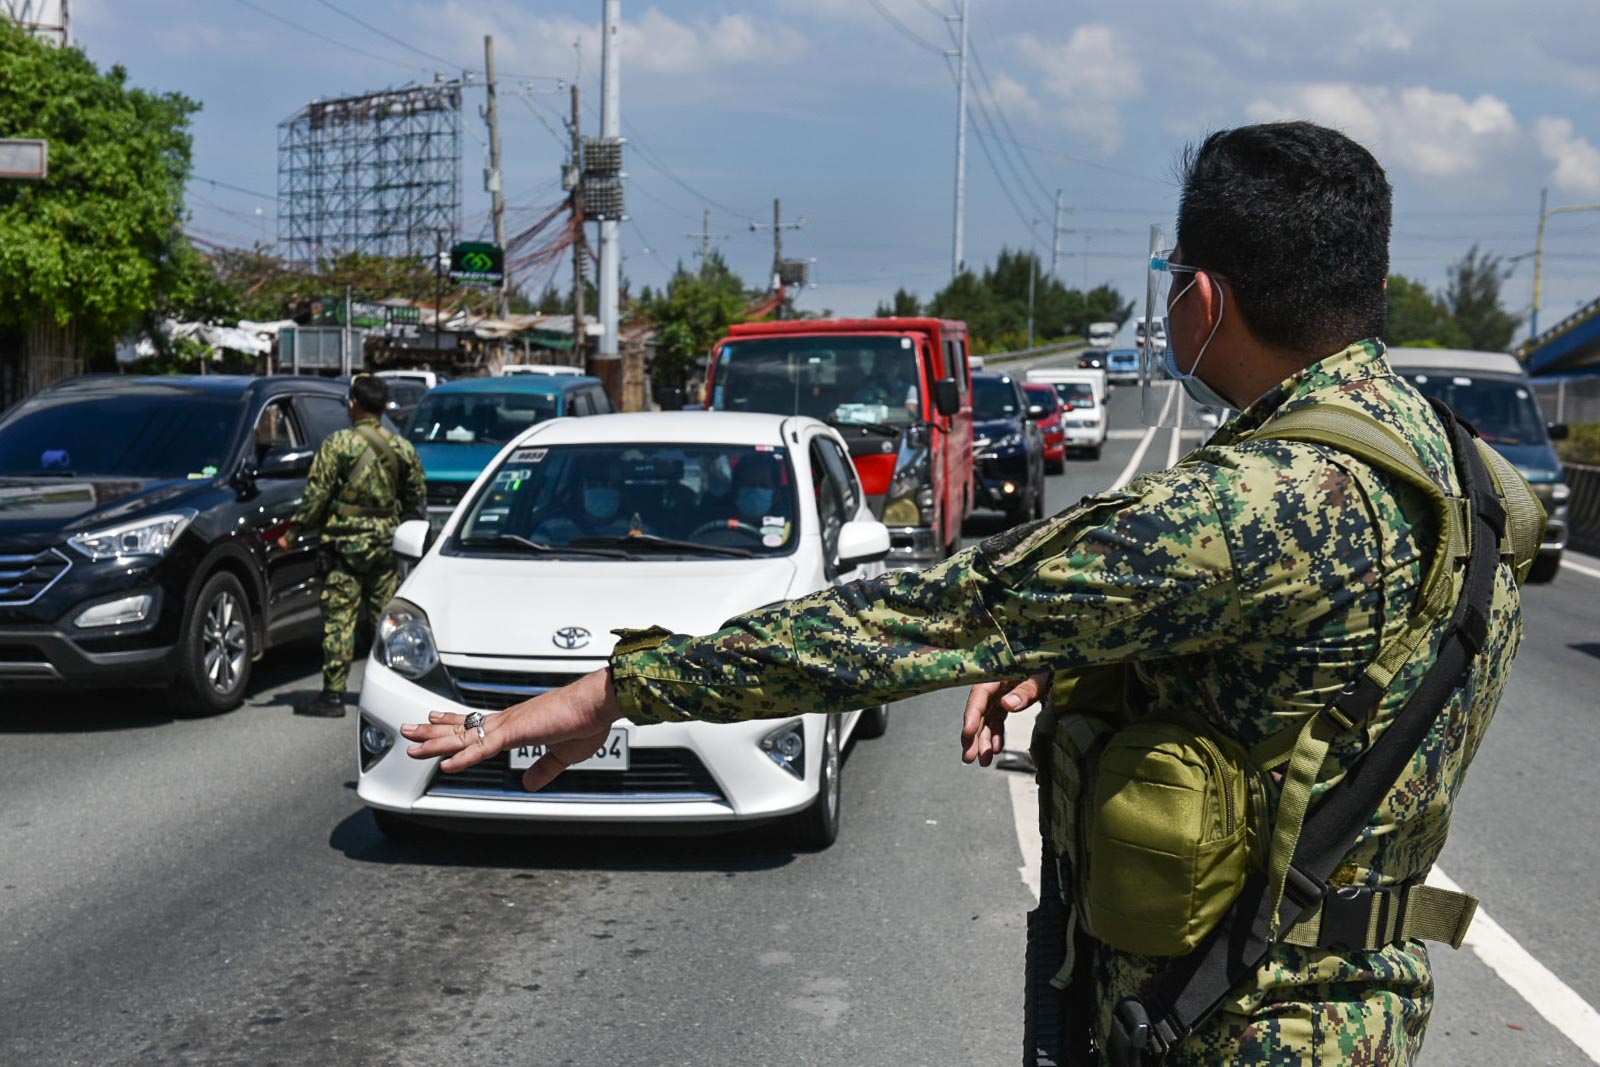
{"x":1055,"y":435}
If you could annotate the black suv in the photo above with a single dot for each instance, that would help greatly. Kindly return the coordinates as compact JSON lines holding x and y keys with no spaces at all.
{"x":137,"y":526}
{"x":1008,"y":447}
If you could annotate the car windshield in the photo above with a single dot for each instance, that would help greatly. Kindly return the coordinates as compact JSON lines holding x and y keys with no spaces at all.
{"x":1075,"y":394}
{"x":1044,"y":396}
{"x":1502,"y":410}
{"x":133,"y":434}
{"x":646,"y":499}
{"x":406,"y":391}
{"x":993,"y":398}
{"x":871,"y":379}
{"x":477,"y":418}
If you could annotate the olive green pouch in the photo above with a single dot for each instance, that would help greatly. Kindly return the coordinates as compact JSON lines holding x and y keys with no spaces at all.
{"x":1164,"y":833}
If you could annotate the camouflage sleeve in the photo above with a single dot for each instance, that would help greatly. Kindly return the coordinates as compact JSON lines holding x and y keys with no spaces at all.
{"x":1137,"y":574}
{"x":321,"y":486}
{"x":414,"y":490}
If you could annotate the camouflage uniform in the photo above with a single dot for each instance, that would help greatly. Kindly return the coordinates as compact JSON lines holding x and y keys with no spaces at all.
{"x":1250,"y":581}
{"x":356,"y":508}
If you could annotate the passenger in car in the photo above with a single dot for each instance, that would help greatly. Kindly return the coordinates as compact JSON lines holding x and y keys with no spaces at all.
{"x":594,"y":506}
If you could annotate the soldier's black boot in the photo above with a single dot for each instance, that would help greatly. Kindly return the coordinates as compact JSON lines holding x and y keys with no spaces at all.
{"x":327,"y":705}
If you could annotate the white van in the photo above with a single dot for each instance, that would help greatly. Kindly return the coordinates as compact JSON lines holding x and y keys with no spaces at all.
{"x":1083,"y":404}
{"x":540,"y":368}
{"x":1102,"y":334}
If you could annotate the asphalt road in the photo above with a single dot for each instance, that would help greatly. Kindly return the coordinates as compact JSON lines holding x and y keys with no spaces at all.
{"x":211,"y":892}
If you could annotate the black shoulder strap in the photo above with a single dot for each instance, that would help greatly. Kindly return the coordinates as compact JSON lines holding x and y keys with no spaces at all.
{"x":1192,"y":987}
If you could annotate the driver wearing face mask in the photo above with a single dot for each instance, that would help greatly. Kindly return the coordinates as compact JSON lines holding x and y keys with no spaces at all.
{"x":595,"y":508}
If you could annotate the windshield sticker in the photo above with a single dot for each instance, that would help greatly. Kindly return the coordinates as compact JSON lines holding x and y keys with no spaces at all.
{"x":772,"y":540}
{"x":529,"y":455}
{"x":460,"y":435}
{"x":55,"y":459}
{"x":774,"y":520}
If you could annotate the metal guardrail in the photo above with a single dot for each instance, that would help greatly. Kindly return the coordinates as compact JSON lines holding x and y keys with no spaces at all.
{"x":1028,"y":353}
{"x":1583,"y":507}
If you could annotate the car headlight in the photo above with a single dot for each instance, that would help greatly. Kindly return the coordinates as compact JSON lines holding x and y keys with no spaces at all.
{"x":405,"y":642}
{"x":146,"y":537}
{"x":905,"y":490}
{"x":1009,"y":441}
{"x":1559,"y":492}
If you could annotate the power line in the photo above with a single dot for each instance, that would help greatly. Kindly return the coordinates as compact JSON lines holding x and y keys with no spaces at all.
{"x":989,"y":86}
{"x":235,"y":188}
{"x":561,"y":140}
{"x":1022,"y":216}
{"x":370,"y":28}
{"x":905,"y":31}
{"x":994,"y":132}
{"x":258,"y":9}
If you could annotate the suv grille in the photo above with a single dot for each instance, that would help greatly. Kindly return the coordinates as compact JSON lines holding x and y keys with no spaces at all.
{"x":24,"y":576}
{"x":488,"y":690}
{"x":654,"y":774}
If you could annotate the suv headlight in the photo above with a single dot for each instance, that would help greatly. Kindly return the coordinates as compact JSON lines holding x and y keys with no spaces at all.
{"x":405,"y":642}
{"x":901,"y":508}
{"x":146,"y":537}
{"x":1008,"y":442}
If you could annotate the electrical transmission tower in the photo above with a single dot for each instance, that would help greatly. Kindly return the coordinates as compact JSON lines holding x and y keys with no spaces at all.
{"x":378,"y":173}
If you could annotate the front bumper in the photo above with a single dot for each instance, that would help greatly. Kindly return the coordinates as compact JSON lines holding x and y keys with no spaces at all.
{"x":995,"y":472}
{"x":688,"y":773}
{"x":913,"y":544}
{"x":1085,"y":436}
{"x":42,"y":647}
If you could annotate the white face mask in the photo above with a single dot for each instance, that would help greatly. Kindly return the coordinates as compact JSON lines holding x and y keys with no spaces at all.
{"x":1192,"y":383}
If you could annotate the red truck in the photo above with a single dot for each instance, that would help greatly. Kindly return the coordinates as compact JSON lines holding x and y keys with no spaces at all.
{"x":899,"y":391}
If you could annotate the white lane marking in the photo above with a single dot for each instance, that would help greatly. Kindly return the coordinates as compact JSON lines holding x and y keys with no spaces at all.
{"x":1172,"y":449}
{"x":1124,"y":435}
{"x":1568,"y":563}
{"x":1532,"y":981}
{"x":1144,"y":446}
{"x":1025,"y":800}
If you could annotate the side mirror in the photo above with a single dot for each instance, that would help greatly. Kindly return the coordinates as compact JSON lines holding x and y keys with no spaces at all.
{"x":1036,"y":412}
{"x":1558,"y":431}
{"x":946,"y":396}
{"x":862,"y":541}
{"x":286,"y":463}
{"x":411,"y":539}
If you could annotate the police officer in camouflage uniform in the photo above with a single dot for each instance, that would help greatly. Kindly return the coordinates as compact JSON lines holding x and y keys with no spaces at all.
{"x":1249,"y":583}
{"x":363,"y":481}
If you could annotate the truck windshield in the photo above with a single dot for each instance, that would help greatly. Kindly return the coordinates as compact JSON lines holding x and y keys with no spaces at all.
{"x":135,"y":434}
{"x":1502,"y":410}
{"x":863,"y":380}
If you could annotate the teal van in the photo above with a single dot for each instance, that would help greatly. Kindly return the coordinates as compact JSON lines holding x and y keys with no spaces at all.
{"x":461,"y":425}
{"x":1492,"y":392}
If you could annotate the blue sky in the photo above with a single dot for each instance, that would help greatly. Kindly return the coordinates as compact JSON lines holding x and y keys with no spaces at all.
{"x":845,"y":109}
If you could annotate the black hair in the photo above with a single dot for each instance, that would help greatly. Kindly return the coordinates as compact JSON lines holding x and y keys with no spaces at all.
{"x":1295,"y":217}
{"x":369,"y":393}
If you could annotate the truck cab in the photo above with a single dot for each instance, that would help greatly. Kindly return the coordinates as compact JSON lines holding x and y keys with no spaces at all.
{"x":898,"y":390}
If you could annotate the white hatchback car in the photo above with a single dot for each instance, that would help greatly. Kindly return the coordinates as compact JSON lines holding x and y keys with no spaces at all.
{"x":581,"y":526}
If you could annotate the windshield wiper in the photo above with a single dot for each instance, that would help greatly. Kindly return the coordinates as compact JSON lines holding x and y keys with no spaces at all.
{"x":53,"y":472}
{"x":504,"y":539}
{"x":871,"y":427}
{"x":653,"y":541}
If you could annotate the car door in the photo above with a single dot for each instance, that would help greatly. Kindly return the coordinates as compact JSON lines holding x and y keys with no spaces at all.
{"x":292,"y":585}
{"x":838,"y":497}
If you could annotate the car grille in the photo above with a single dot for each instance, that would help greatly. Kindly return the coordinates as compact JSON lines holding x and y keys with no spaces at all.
{"x":24,"y":576}
{"x":490,"y":690}
{"x":653,"y":774}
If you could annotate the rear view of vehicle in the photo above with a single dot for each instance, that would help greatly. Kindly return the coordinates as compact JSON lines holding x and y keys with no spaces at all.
{"x":1122,"y":365}
{"x":898,"y":392}
{"x":1102,"y":334}
{"x":1043,"y":397}
{"x":1491,"y":391}
{"x":1083,"y":406}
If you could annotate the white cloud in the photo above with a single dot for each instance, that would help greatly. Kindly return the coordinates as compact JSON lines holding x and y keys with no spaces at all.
{"x":1435,"y":134}
{"x":1577,"y":161}
{"x":1091,"y":74}
{"x":1013,"y":97}
{"x":1380,"y":32}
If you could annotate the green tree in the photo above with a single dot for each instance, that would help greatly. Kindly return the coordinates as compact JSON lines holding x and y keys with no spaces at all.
{"x":98,"y":243}
{"x":994,"y":305}
{"x":1417,"y":318}
{"x":1472,"y":293}
{"x":904,"y":305}
{"x":691,"y":315}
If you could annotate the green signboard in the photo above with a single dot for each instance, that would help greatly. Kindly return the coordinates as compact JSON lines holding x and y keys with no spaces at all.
{"x":477,"y":263}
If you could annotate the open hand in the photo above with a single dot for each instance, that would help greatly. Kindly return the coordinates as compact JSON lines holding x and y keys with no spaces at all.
{"x":983,"y":727}
{"x":572,"y":722}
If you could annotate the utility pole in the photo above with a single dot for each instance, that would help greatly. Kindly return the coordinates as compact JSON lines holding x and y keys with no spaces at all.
{"x":705,"y":241}
{"x":439,"y":267}
{"x":492,"y":179}
{"x":579,"y":333}
{"x":610,"y":129}
{"x":1055,"y":238}
{"x":778,"y":226}
{"x":958,"y":250}
{"x":1538,"y":254}
{"x":346,"y":363}
{"x":1033,"y":274}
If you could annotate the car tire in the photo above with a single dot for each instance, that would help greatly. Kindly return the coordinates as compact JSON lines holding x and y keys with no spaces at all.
{"x":874,"y":722}
{"x":402,"y":831}
{"x":1545,"y":567}
{"x":817,"y":826}
{"x":217,"y":650}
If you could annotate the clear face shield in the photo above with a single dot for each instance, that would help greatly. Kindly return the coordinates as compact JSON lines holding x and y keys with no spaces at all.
{"x":1171,"y":396}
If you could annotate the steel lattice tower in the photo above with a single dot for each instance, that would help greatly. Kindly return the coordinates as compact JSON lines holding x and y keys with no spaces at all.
{"x":378,"y":173}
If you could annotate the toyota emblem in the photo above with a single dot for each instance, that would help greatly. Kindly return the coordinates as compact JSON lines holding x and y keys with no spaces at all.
{"x":570,"y":637}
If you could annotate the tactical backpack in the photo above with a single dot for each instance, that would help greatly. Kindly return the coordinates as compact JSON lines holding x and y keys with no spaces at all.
{"x":1163,"y":817}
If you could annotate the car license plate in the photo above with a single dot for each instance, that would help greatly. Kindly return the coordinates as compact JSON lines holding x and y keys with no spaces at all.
{"x":611,"y":756}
